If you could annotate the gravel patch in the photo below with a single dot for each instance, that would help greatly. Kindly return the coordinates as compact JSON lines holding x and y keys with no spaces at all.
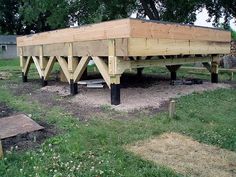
{"x":134,"y":98}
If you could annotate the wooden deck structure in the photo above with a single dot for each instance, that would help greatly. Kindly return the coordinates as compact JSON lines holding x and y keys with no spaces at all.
{"x":118,"y":45}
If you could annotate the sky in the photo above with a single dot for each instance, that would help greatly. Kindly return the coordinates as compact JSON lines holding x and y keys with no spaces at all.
{"x":203,"y":16}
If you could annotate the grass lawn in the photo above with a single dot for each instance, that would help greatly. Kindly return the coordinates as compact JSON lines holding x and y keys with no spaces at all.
{"x":96,"y":147}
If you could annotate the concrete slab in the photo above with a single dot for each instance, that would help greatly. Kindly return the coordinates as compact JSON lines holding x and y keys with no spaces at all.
{"x":17,"y":124}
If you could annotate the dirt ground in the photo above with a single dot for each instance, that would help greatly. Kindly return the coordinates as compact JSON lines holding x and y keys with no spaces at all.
{"x":139,"y":97}
{"x":150,"y":92}
{"x":186,"y":156}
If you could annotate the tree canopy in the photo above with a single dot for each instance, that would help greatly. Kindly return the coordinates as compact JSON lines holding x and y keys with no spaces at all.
{"x":27,"y":16}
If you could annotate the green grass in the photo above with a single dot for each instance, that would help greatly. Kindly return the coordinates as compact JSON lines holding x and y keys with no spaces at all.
{"x":96,"y":147}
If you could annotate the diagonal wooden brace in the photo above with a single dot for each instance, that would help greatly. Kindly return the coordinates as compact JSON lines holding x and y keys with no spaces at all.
{"x":49,"y":67}
{"x":37,"y":64}
{"x":81,"y":68}
{"x":64,"y":66}
{"x":103,"y":69}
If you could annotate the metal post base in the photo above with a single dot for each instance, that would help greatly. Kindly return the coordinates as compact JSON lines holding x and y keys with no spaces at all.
{"x":173,"y":75}
{"x":44,"y":82}
{"x":115,"y":94}
{"x":73,"y":87}
{"x":24,"y":77}
{"x":214,"y":78}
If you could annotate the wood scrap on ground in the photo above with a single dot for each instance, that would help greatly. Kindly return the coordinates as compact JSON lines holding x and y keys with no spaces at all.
{"x":17,"y":124}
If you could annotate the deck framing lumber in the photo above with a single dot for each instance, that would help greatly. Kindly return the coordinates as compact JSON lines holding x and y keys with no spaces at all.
{"x":121,"y":45}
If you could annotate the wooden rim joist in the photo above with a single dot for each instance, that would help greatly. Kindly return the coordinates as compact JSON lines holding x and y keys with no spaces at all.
{"x":120,"y":45}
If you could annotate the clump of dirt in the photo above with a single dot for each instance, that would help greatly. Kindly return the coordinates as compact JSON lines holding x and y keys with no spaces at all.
{"x":187,"y":156}
{"x":29,"y":140}
{"x":5,"y":110}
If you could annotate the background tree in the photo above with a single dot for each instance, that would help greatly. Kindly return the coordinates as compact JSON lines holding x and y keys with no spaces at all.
{"x":10,"y":20}
{"x":45,"y":15}
{"x":181,"y":11}
{"x":90,"y":11}
{"x":221,"y":8}
{"x":29,"y":16}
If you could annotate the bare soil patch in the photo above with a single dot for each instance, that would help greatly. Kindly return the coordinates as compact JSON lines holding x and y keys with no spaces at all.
{"x":187,"y":156}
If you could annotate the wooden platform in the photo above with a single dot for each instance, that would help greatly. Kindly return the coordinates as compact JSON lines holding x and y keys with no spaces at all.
{"x":116,"y":46}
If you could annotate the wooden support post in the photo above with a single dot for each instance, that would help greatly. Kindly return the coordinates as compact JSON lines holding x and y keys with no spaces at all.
{"x":43,"y":64}
{"x":25,"y":64}
{"x":173,"y":69}
{"x":172,"y":109}
{"x":1,"y":149}
{"x":214,"y":72}
{"x":231,"y":76}
{"x":114,"y":73}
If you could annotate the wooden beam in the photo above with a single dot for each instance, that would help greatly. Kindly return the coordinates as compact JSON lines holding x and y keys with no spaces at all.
{"x":83,"y":48}
{"x":157,"y":47}
{"x":164,"y":30}
{"x":103,"y":69}
{"x":201,"y":68}
{"x":100,"y":31}
{"x":126,"y":28}
{"x":131,"y":64}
